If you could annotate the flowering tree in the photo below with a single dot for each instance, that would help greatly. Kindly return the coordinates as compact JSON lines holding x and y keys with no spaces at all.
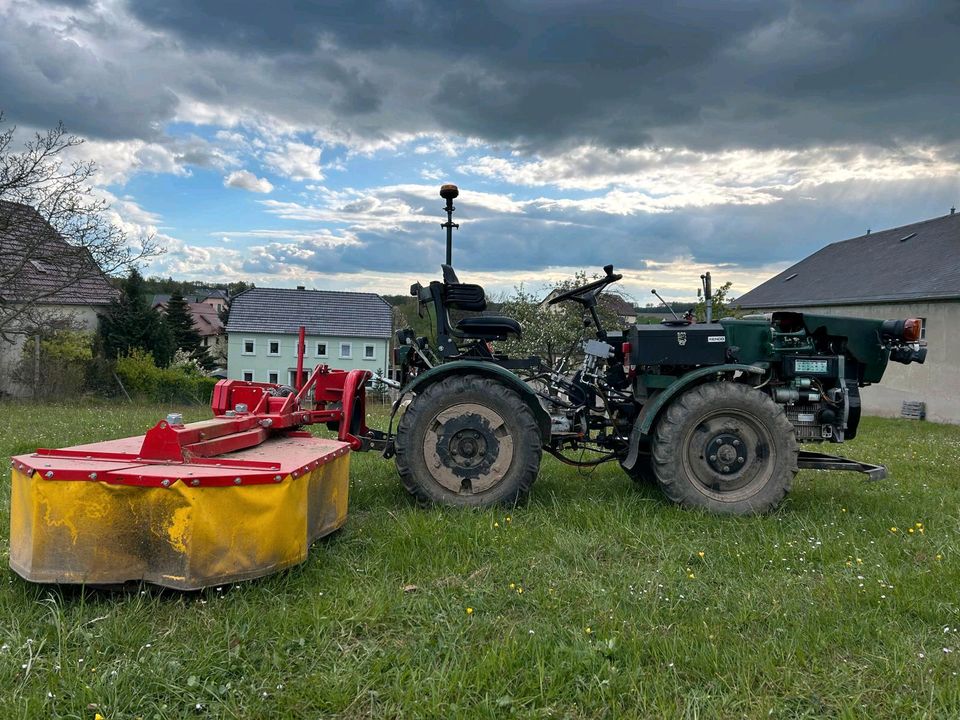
{"x":552,"y":331}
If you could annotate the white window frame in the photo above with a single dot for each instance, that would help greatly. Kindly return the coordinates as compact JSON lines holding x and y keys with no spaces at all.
{"x":349,"y":346}
{"x":373,"y":351}
{"x":243,"y":346}
{"x":279,"y":347}
{"x":326,"y":348}
{"x":273,"y":377}
{"x":244,"y":373}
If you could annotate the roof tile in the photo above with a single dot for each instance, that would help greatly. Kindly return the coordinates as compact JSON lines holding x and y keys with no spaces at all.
{"x":908,"y":263}
{"x":322,"y":312}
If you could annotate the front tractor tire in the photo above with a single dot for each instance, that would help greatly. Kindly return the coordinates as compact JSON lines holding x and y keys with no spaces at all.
{"x":468,"y":441}
{"x":725,"y":447}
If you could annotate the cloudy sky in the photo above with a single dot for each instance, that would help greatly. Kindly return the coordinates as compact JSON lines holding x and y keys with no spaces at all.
{"x":295,"y":143}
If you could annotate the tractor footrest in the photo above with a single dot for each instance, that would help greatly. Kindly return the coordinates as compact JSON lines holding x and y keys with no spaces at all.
{"x":807,"y":460}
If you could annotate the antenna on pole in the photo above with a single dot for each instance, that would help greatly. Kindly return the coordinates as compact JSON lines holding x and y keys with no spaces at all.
{"x":449,"y":192}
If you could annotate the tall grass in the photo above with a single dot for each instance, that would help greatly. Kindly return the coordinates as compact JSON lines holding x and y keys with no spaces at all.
{"x":596,"y":599}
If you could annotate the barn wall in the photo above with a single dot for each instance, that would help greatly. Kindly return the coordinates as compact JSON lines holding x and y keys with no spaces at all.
{"x":937,"y":381}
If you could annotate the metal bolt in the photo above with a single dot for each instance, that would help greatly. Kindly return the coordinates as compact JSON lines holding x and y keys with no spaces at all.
{"x":266,"y":422}
{"x":726,"y":468}
{"x":49,"y":474}
{"x":92,"y":476}
{"x":195,"y":482}
{"x":237,"y":481}
{"x":713,"y":458}
{"x":165,"y":483}
{"x":230,"y":413}
{"x":736,"y":443}
{"x":277,"y":478}
{"x":174,"y":419}
{"x":240,"y":408}
{"x":739,"y":459}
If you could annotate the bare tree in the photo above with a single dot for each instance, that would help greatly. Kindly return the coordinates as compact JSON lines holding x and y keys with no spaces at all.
{"x":56,"y":238}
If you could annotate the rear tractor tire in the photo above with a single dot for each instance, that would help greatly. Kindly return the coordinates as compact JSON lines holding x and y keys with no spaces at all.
{"x":725,"y":447}
{"x":468,"y":441}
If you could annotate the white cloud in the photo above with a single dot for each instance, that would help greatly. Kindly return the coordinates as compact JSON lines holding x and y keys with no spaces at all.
{"x":296,"y":160}
{"x":246,"y":180}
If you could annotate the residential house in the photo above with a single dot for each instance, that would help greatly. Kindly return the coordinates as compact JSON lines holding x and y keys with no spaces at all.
{"x":908,"y":271}
{"x":44,"y":282}
{"x":346,"y":330}
{"x":205,"y":307}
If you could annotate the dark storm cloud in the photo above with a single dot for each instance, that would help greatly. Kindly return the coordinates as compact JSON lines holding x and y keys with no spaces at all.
{"x":700,"y":74}
{"x":46,"y":77}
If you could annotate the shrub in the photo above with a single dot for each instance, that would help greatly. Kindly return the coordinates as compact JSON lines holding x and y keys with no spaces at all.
{"x":64,"y":355}
{"x":177,"y":383}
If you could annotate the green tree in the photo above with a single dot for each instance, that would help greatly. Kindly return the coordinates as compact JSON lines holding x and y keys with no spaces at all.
{"x":185,"y":336}
{"x":723,"y":305}
{"x":130,"y":323}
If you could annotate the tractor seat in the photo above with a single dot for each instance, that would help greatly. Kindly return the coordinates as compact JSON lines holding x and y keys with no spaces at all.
{"x":487,"y":327}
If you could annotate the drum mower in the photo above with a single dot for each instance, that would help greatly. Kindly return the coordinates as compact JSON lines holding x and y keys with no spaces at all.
{"x":188,"y":506}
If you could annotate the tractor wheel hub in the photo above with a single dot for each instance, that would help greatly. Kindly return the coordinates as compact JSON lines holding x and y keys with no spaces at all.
{"x":726,"y":453}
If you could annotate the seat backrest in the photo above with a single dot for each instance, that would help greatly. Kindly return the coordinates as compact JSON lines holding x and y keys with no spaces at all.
{"x":461,"y":296}
{"x":465,"y":296}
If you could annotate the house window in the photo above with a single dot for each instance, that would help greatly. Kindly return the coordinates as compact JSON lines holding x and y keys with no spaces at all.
{"x":273,"y":348}
{"x":303,"y":378}
{"x":923,"y":329}
{"x":369,"y":352}
{"x":346,"y":350}
{"x":321,"y":349}
{"x":273,"y":378}
{"x":249,"y":346}
{"x":248,"y":375}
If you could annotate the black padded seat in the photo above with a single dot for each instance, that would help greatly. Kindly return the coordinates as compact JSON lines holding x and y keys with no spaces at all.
{"x":488,"y":327}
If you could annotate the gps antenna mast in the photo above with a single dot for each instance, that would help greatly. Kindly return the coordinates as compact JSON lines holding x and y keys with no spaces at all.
{"x":449,"y":192}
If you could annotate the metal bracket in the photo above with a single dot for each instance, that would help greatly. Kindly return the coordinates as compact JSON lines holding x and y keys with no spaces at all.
{"x":807,"y":460}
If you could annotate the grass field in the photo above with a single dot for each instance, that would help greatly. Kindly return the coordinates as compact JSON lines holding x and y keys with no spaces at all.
{"x":596,"y":599}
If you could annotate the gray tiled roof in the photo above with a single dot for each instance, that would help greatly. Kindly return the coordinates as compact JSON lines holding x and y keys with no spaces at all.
{"x":322,"y":312}
{"x":38,"y":266}
{"x":909,"y":263}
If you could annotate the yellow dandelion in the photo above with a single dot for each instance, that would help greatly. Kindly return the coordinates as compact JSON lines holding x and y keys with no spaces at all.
{"x":589,"y":630}
{"x":700,"y":554}
{"x":513,"y":586}
{"x":919,"y":525}
{"x":843,"y":509}
{"x":893,"y":529}
{"x":939,"y":556}
{"x":469,"y":611}
{"x":859,"y":561}
{"x":691,"y":576}
{"x":910,"y":530}
{"x":509,"y":519}
{"x":496,"y":524}
{"x":921,"y":531}
{"x":519,"y":591}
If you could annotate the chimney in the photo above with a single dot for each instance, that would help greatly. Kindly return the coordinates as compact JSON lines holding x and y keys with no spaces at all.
{"x":953,"y":210}
{"x":301,"y":287}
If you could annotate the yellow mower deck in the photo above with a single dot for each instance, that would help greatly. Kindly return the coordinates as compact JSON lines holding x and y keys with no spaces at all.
{"x":99,"y":514}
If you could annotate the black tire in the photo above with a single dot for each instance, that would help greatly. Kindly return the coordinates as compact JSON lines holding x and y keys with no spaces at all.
{"x":468,"y":441}
{"x":725,"y":447}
